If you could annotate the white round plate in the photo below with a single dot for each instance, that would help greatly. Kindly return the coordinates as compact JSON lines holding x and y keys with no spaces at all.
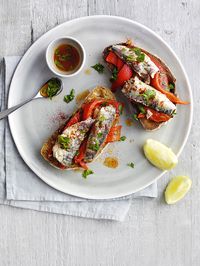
{"x":35,"y":122}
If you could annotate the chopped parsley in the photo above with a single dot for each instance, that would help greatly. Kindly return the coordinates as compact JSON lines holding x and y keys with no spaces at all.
{"x":132,"y":165}
{"x":149,"y":95}
{"x":53,"y":87}
{"x":99,"y":68}
{"x":123,"y":138}
{"x":135,"y":117}
{"x":130,"y":58}
{"x":171,"y":87}
{"x":141,"y":109}
{"x":68,"y":98}
{"x":114,"y":74}
{"x":77,"y":153}
{"x":64,"y":142}
{"x":58,"y":64}
{"x":140,"y":55}
{"x":95,"y":146}
{"x":57,"y":51}
{"x":120,"y":109}
{"x":102,"y":118}
{"x":99,"y":135}
{"x":104,"y":104}
{"x":174,"y":112}
{"x":65,"y":57}
{"x":86,"y":173}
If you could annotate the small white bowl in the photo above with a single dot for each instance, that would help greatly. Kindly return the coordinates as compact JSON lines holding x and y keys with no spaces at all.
{"x":50,"y":56}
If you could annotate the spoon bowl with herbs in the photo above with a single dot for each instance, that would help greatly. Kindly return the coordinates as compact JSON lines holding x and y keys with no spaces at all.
{"x":49,"y":89}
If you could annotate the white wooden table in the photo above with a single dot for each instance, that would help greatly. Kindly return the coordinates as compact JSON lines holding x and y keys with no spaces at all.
{"x":153,"y":233}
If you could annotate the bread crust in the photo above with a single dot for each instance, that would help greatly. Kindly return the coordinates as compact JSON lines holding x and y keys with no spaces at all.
{"x":98,"y":92}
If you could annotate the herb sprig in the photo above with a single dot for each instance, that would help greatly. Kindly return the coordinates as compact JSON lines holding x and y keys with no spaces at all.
{"x":70,"y":97}
{"x":140,"y":55}
{"x":134,"y":116}
{"x":114,"y":74}
{"x":64,"y":142}
{"x":95,"y":146}
{"x":123,"y":138}
{"x":53,"y":88}
{"x":149,"y":95}
{"x":86,"y":173}
{"x":131,"y":164}
{"x":99,"y":68}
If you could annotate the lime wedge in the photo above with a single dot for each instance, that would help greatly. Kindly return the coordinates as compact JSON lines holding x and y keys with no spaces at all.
{"x":160,"y":155}
{"x":177,"y":189}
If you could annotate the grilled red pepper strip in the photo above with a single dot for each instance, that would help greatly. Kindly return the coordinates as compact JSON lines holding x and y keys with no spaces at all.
{"x":114,"y":134}
{"x":161,"y":82}
{"x":74,"y":119}
{"x":112,"y":58}
{"x":79,"y":158}
{"x":156,"y":116}
{"x":156,"y":83}
{"x":89,"y":107}
{"x":124,"y":74}
{"x":120,"y":64}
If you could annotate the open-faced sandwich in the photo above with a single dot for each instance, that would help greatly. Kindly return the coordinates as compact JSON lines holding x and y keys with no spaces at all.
{"x":145,"y":80}
{"x":90,"y":128}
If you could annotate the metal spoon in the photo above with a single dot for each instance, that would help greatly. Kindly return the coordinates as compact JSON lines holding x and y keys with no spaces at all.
{"x":42,"y":93}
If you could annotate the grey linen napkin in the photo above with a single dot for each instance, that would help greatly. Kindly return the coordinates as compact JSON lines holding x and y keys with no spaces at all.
{"x":20,"y":187}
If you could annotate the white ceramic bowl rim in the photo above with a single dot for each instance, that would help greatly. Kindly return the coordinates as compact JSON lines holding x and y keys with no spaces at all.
{"x":49,"y":52}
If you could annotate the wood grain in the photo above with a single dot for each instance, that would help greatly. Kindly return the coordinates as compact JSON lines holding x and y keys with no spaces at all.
{"x":153,"y":233}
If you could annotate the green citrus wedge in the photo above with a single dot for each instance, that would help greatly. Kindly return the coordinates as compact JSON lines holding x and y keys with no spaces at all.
{"x":160,"y":155}
{"x":177,"y":189}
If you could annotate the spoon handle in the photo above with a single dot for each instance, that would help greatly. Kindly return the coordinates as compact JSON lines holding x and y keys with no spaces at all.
{"x":8,"y":111}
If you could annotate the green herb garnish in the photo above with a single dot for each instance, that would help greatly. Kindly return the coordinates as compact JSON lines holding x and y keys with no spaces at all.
{"x":171,"y":87}
{"x":65,"y":57}
{"x":135,"y":117}
{"x":68,"y":98}
{"x":141,"y":109}
{"x":149,"y":94}
{"x":86,"y":173}
{"x":77,"y":153}
{"x":174,"y":112}
{"x":99,"y":135}
{"x":120,"y":109}
{"x":131,"y":165}
{"x":104,"y":104}
{"x":140,"y":55}
{"x":140,"y":58}
{"x":114,"y":74}
{"x":64,"y":142}
{"x":102,"y":118}
{"x":53,"y":88}
{"x":95,"y":146}
{"x":58,"y":64}
{"x":123,"y":138}
{"x":130,"y":58}
{"x":57,"y":51}
{"x":99,"y":68}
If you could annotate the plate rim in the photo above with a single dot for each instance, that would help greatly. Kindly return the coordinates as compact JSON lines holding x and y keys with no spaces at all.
{"x":120,"y":18}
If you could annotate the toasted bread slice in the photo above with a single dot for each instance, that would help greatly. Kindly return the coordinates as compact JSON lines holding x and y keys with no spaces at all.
{"x":147,"y":124}
{"x":46,"y":151}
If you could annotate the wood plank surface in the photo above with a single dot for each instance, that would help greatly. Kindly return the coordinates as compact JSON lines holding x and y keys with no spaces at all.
{"x":153,"y":233}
